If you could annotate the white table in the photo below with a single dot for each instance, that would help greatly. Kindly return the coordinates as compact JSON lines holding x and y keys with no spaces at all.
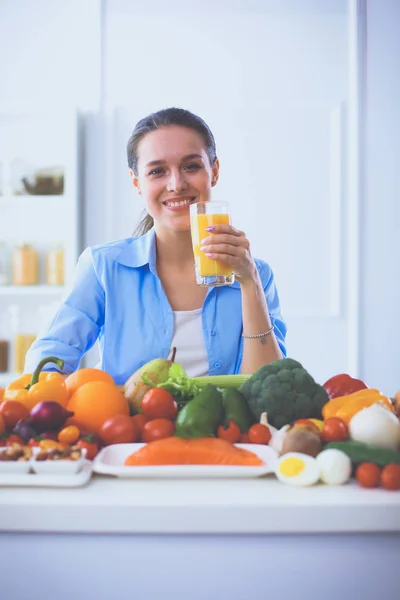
{"x":199,"y":539}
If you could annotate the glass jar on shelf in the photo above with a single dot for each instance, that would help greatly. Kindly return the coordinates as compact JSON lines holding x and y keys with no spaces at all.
{"x":55,"y":266}
{"x":21,"y":339}
{"x":4,"y":355}
{"x":25,"y":265}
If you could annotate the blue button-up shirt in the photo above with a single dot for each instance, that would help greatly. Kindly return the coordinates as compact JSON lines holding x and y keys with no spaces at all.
{"x":118,"y":299}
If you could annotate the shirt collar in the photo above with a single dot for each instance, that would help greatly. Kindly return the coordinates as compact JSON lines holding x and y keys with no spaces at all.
{"x":142,"y":251}
{"x":139,"y":251}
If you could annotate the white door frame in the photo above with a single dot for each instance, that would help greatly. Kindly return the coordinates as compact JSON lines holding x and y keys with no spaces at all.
{"x":357,"y":42}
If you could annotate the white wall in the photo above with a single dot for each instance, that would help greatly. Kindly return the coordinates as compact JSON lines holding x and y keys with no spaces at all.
{"x":50,"y":59}
{"x":380,"y":307}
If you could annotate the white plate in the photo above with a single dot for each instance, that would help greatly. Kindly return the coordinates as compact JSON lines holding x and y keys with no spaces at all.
{"x":56,"y":480}
{"x":56,"y":467}
{"x":13,"y":466}
{"x":110,"y":461}
{"x":17,"y":467}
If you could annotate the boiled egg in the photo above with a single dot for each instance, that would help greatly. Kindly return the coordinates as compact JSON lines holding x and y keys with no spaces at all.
{"x":335,"y":466}
{"x":295,"y":468}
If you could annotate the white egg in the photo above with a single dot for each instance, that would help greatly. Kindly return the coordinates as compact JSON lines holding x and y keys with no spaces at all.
{"x":335,"y":466}
{"x":295,"y":468}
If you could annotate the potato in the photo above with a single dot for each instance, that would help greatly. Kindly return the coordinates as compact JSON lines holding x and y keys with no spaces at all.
{"x":302,"y":439}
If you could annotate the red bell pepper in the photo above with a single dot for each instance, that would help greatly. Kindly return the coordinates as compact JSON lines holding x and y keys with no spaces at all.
{"x":343,"y":385}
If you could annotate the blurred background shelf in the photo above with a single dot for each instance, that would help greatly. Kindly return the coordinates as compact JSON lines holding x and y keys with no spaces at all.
{"x":8,"y":377}
{"x":27,"y":290}
{"x":29,"y":198}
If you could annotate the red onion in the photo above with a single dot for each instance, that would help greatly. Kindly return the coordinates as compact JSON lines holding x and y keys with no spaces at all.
{"x":24,"y":430}
{"x":48,"y":415}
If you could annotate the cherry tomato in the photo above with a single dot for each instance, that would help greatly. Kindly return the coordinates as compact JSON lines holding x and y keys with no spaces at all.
{"x":140,"y":421}
{"x":259,"y":434}
{"x":157,"y":429}
{"x":120,"y":429}
{"x":90,"y":435}
{"x":230,"y":434}
{"x":159,"y":404}
{"x":69,"y":435}
{"x":49,"y":444}
{"x":368,"y":475}
{"x":14,"y":439}
{"x":90,"y":445}
{"x":244,"y":438}
{"x":34,"y":442}
{"x":390,"y":477}
{"x":334,"y":430}
{"x":12,"y":412}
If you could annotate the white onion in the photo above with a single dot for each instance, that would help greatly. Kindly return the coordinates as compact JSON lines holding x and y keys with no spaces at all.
{"x":376,"y":426}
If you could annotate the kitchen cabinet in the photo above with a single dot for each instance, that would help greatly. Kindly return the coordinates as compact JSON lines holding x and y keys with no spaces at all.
{"x":40,"y":218}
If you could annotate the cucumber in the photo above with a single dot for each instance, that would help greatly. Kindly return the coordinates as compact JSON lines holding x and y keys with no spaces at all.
{"x":360,"y":453}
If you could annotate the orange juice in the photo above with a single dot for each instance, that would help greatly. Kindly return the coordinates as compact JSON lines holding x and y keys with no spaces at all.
{"x":207,"y":267}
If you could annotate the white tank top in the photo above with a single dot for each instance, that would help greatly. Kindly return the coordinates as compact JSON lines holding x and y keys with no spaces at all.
{"x":188,"y":339}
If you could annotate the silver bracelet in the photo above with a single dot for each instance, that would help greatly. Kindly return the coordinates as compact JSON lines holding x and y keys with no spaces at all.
{"x":260,"y":335}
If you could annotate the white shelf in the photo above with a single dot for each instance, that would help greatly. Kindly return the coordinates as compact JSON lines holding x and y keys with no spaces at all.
{"x":30,"y":290}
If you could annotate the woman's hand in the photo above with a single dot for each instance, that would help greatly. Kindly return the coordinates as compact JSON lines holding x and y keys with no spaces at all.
{"x":231,"y":246}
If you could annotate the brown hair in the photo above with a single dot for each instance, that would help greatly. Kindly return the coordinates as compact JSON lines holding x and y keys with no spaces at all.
{"x":163,"y":118}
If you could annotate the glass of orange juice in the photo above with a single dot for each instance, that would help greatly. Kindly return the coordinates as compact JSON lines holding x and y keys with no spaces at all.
{"x":209,"y":272}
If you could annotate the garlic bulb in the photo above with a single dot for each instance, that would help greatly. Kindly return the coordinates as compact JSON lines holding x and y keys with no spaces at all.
{"x":376,"y":425}
{"x":277,"y":435}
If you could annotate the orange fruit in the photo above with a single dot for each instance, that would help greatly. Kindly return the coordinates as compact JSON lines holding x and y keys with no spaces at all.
{"x":95,"y":402}
{"x":82,"y":376}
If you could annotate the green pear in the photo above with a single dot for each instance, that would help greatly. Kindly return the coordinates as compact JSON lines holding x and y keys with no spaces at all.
{"x":157,"y":370}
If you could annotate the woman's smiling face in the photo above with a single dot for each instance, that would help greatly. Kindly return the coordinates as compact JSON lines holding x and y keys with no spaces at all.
{"x":174,"y":171}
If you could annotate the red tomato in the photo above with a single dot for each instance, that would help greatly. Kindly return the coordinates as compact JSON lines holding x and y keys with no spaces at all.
{"x":259,"y":434}
{"x":230,"y":434}
{"x":334,"y":430}
{"x":14,"y":439}
{"x":157,"y":429}
{"x":368,"y":475}
{"x":34,"y":442}
{"x":140,"y":421}
{"x":244,"y":438}
{"x":12,"y":411}
{"x":91,"y":446}
{"x":390,"y":477}
{"x":159,"y":404}
{"x":120,"y":429}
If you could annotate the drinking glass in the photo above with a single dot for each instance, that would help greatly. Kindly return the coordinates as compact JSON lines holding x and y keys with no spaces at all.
{"x":209,"y":272}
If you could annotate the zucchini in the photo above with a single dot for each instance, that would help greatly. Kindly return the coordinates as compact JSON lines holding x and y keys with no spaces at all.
{"x":360,"y":453}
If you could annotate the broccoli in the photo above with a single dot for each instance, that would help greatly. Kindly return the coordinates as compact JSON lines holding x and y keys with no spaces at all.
{"x":285,"y":391}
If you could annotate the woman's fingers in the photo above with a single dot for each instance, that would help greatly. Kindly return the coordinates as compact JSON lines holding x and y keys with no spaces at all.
{"x":225,"y":229}
{"x":223,"y":239}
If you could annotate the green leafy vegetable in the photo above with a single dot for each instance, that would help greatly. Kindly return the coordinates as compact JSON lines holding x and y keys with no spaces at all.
{"x":178,"y":384}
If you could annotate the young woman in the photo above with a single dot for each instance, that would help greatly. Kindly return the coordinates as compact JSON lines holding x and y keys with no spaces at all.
{"x":139,"y":297}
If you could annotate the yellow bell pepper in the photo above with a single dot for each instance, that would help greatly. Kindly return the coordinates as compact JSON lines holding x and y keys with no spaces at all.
{"x":29,"y":390}
{"x":345,"y":407}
